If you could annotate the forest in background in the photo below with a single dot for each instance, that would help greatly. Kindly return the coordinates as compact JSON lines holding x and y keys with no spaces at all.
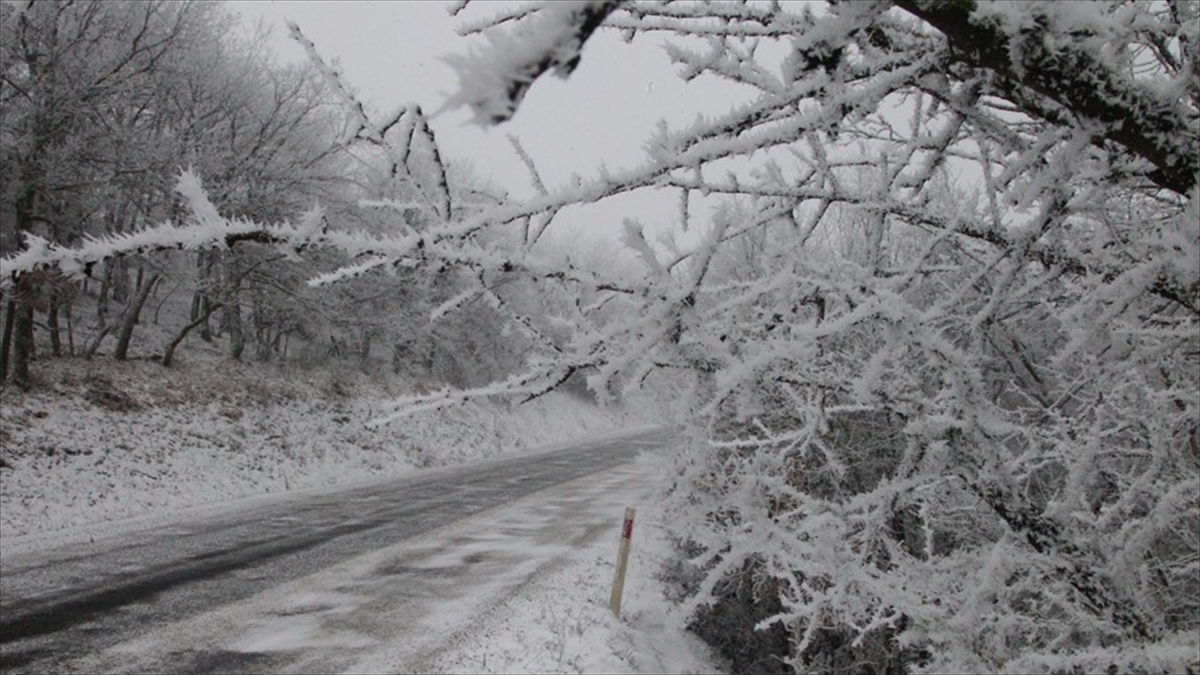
{"x":933,"y":425}
{"x":105,"y":103}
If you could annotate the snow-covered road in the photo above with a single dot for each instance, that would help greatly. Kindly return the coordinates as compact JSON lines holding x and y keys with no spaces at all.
{"x":384,"y":576}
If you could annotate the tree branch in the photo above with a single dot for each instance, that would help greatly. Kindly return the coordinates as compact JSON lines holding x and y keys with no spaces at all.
{"x":1152,"y":127}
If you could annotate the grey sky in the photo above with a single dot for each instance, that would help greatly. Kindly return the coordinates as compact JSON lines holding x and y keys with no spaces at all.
{"x":390,"y":52}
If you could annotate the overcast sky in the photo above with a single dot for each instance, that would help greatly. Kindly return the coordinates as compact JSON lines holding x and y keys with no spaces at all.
{"x":391,"y":53}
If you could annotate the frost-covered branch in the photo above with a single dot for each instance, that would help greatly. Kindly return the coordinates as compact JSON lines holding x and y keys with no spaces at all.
{"x":495,"y":77}
{"x":862,"y":322}
{"x":1037,"y":50}
{"x":206,"y":230}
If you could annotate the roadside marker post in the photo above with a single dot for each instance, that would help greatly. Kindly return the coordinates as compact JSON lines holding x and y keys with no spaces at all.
{"x":614,"y":601}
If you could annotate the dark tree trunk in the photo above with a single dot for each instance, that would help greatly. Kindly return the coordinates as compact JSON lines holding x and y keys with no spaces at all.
{"x":233,"y":309}
{"x":233,"y":321}
{"x":10,"y":317}
{"x":263,"y":327}
{"x":52,"y":324}
{"x":70,"y":328}
{"x":204,"y":308}
{"x":169,"y":354}
{"x":119,"y":280}
{"x":22,"y":342}
{"x":206,"y":332}
{"x":130,"y":318}
{"x":21,"y":321}
{"x":102,"y":299}
{"x":103,"y":327}
{"x":205,"y":271}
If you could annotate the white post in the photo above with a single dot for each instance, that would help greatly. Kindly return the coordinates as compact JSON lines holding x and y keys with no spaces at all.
{"x":614,"y":601}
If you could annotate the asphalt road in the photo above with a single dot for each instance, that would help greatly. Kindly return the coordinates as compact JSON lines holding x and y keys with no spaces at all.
{"x":61,"y":607}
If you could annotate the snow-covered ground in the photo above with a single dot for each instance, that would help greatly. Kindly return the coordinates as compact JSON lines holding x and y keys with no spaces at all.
{"x":561,"y":623}
{"x":522,"y":587}
{"x":100,"y":442}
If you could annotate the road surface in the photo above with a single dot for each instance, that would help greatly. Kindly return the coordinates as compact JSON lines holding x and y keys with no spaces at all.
{"x":375,"y":576}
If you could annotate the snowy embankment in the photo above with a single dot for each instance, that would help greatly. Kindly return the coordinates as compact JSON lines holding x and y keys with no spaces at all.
{"x":99,"y":441}
{"x":561,"y":623}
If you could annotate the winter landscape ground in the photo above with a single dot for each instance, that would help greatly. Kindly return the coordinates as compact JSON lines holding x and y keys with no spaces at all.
{"x":101,"y":441}
{"x":908,"y":290}
{"x":105,"y":449}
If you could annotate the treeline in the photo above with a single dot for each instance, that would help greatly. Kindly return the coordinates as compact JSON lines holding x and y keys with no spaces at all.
{"x":104,"y":103}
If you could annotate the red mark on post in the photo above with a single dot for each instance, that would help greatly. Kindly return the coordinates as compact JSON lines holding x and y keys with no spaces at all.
{"x":614,"y":601}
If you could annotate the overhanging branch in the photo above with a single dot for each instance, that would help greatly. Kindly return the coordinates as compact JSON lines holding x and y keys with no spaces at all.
{"x":1154,"y":128}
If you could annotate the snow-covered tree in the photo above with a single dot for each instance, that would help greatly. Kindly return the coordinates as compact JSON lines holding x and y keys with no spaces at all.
{"x":76,"y":84}
{"x":105,"y":101}
{"x":941,"y":342}
{"x":944,"y":338}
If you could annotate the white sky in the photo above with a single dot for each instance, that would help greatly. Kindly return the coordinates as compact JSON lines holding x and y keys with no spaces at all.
{"x":390,"y":53}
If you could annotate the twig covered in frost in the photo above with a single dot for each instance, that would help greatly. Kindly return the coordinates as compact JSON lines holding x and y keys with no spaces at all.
{"x":495,"y":77}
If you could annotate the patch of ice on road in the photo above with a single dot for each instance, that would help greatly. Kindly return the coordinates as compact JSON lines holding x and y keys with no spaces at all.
{"x":302,"y":631}
{"x":321,"y":602}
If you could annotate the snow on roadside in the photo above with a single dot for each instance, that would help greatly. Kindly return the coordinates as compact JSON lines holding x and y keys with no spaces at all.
{"x":76,"y":455}
{"x":562,"y":623}
{"x":102,"y":441}
{"x":521,"y":587}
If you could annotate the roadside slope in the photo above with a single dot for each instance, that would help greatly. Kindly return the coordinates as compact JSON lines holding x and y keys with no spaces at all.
{"x":99,"y":441}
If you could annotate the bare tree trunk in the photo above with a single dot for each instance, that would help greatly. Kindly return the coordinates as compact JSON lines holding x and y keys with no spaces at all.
{"x":52,"y":324}
{"x":165,"y":299}
{"x":118,"y":279}
{"x":233,"y":310}
{"x":205,"y":264}
{"x":21,"y":321}
{"x":102,"y":299}
{"x":876,"y":224}
{"x":203,"y":306}
{"x":169,"y":354}
{"x":262,"y":342}
{"x":130,"y":318}
{"x":70,"y":329}
{"x":262,"y":327}
{"x":90,"y":350}
{"x":194,"y":312}
{"x":10,"y":317}
{"x":103,"y":327}
{"x":22,"y":342}
{"x":237,"y":338}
